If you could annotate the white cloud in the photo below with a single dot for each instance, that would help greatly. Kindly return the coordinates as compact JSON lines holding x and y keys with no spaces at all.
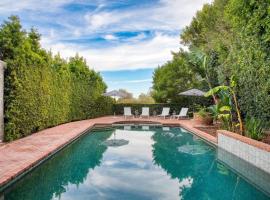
{"x":110,"y":37}
{"x":98,"y":20}
{"x":164,"y":20}
{"x":169,"y":15}
{"x":143,"y":54}
{"x":51,"y":5}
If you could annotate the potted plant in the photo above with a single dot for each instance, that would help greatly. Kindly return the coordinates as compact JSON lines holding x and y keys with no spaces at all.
{"x":203,"y":117}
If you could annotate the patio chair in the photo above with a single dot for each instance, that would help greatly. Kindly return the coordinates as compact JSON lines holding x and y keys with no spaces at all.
{"x":183,"y":113}
{"x":145,"y":112}
{"x":127,"y":112}
{"x":165,"y":112}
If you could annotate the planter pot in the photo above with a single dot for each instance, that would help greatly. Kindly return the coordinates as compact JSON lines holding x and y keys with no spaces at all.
{"x":203,"y":120}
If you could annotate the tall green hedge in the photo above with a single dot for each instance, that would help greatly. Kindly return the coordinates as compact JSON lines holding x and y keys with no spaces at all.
{"x":228,"y":39}
{"x":42,"y":90}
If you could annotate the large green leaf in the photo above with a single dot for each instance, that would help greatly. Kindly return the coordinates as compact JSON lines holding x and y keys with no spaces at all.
{"x":216,"y":90}
{"x":225,"y":108}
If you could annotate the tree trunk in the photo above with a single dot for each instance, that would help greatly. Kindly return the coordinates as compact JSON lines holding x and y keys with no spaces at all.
{"x":238,"y":113}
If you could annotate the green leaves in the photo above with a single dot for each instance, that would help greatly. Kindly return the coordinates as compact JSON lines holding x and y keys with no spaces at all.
{"x":174,"y":77}
{"x":216,"y":90}
{"x":254,"y":128}
{"x":42,"y":90}
{"x":225,"y":108}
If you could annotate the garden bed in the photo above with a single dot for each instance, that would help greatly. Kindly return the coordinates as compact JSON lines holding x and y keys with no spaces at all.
{"x":266,"y":139}
{"x":212,"y":130}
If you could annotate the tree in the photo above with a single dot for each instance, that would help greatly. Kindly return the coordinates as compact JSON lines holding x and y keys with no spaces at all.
{"x":174,"y":77}
{"x":127,"y":97}
{"x":234,"y":38}
{"x":145,"y":99}
{"x":12,"y":38}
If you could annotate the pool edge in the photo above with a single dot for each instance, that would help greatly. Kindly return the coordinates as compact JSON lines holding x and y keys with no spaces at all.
{"x":12,"y":179}
{"x":46,"y":157}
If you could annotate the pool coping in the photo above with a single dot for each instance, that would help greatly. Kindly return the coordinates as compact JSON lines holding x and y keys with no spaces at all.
{"x":12,"y":176}
{"x":7,"y":184}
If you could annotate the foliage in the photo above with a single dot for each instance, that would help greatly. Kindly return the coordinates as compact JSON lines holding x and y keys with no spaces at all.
{"x":142,"y":99}
{"x":230,"y":97}
{"x":227,"y":122}
{"x":157,"y":107}
{"x":222,"y":109}
{"x":203,"y":112}
{"x":173,"y":78}
{"x":145,"y":99}
{"x":42,"y":90}
{"x":254,"y":128}
{"x":127,"y":97}
{"x":234,"y":37}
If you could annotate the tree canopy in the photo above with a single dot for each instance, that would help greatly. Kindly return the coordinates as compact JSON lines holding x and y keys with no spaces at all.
{"x":234,"y":37}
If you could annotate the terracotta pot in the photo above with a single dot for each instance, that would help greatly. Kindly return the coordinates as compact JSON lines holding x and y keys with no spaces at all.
{"x":203,"y":120}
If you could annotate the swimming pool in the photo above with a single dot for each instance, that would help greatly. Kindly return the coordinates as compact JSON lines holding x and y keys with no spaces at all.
{"x":134,"y":162}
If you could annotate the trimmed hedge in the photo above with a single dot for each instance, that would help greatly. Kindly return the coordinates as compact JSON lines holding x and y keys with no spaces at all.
{"x":44,"y":96}
{"x":175,"y":107}
{"x":42,"y":90}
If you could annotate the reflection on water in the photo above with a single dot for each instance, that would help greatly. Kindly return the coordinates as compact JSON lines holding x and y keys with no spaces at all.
{"x":69,"y":168}
{"x":194,"y":149}
{"x":150,"y":166}
{"x":204,"y":176}
{"x":254,"y":175}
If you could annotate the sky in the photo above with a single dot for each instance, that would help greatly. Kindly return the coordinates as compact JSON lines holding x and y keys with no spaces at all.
{"x":123,"y":39}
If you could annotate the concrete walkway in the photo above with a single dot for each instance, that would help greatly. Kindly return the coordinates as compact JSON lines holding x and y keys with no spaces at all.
{"x":18,"y":156}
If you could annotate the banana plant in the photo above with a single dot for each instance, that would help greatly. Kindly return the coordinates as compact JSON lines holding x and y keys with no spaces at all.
{"x":199,"y":59}
{"x":227,"y":94}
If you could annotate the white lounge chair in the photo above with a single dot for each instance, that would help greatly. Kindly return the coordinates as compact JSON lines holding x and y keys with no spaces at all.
{"x":145,"y":112}
{"x":183,"y":113}
{"x":127,"y":112}
{"x":165,"y":112}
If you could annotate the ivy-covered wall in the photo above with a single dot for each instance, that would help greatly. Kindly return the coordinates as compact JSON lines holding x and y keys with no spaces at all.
{"x":42,"y":90}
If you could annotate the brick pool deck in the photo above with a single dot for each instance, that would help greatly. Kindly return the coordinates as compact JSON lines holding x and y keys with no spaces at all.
{"x":21,"y":155}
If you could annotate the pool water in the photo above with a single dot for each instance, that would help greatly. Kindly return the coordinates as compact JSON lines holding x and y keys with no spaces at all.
{"x":151,"y":163}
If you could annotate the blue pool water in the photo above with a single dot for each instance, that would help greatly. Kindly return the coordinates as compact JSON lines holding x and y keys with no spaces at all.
{"x":152,"y":163}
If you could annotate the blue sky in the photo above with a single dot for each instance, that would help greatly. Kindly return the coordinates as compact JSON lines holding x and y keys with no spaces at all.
{"x":123,"y":39}
{"x":137,"y":81}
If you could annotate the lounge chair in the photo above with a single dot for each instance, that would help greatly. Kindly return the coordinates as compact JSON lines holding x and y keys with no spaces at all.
{"x":165,"y":112}
{"x":127,"y":112}
{"x":145,"y":112}
{"x":183,"y":113}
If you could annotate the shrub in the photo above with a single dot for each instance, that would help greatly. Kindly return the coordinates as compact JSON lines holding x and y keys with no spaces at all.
{"x":254,"y":128}
{"x":42,"y":90}
{"x":203,"y":112}
{"x":157,"y":108}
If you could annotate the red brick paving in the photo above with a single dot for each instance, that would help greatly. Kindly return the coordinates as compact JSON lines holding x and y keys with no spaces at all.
{"x":18,"y":156}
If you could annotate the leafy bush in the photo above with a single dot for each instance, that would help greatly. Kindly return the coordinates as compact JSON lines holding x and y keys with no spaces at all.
{"x":157,"y":108}
{"x":203,"y":112}
{"x":42,"y":90}
{"x":234,"y":35}
{"x":254,"y":128}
